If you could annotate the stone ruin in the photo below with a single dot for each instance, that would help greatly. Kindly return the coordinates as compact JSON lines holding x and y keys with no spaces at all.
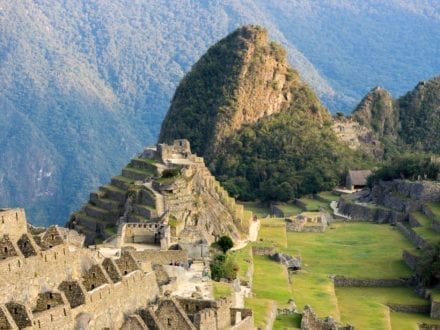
{"x":308,"y":222}
{"x":50,"y":281}
{"x":172,"y":192}
{"x":310,"y":321}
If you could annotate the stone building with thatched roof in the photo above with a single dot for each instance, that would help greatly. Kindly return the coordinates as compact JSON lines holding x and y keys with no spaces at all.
{"x":357,"y":179}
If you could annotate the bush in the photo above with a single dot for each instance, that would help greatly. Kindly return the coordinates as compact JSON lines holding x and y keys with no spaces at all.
{"x":225,"y":243}
{"x":223,"y":266}
{"x":428,"y":265}
{"x":171,"y":173}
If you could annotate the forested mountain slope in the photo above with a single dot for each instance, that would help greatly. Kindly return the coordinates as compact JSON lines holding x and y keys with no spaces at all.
{"x":85,"y":84}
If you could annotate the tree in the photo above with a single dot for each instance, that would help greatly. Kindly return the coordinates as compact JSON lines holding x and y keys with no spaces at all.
{"x":225,"y":243}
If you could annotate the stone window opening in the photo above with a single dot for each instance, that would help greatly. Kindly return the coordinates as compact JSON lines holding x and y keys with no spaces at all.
{"x":6,"y":249}
{"x":52,"y":237}
{"x":125,"y":272}
{"x":92,"y":286}
{"x":64,"y":311}
{"x":94,"y":275}
{"x":51,"y":318}
{"x":16,"y":216}
{"x":3,"y":220}
{"x":169,"y":322}
{"x":18,"y":263}
{"x":50,"y":295}
{"x":70,"y":287}
{"x":48,"y":306}
{"x":39,"y":324}
{"x":15,"y":310}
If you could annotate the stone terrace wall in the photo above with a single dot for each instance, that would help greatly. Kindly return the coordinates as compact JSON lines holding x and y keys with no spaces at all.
{"x":341,"y":281}
{"x":161,"y":257}
{"x":425,"y":326}
{"x":368,"y":212}
{"x":411,"y":235}
{"x":410,"y":259}
{"x":402,"y":308}
{"x":263,"y":250}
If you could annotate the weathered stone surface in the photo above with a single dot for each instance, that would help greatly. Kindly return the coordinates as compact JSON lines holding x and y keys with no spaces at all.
{"x":292,"y":263}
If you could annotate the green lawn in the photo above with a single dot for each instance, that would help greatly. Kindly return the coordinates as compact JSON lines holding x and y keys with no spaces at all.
{"x":221,"y":289}
{"x":271,"y":281}
{"x":287,"y":322}
{"x":289,"y":209}
{"x":435,"y":208}
{"x":425,"y":231}
{"x":259,"y":209}
{"x":409,"y":321}
{"x":261,"y":309}
{"x":273,"y":230}
{"x":366,"y":308}
{"x":352,"y":249}
{"x":328,"y":196}
{"x":315,"y":205}
{"x":243,"y":258}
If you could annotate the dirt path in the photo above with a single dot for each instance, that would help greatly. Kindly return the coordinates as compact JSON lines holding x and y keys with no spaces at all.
{"x":253,"y":235}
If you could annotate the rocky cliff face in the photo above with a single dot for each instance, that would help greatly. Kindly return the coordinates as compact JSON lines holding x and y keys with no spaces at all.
{"x":377,"y":112}
{"x":240,"y":80}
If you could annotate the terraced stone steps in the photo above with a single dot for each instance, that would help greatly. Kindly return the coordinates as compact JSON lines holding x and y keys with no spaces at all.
{"x":136,"y":174}
{"x":121,"y":182}
{"x":114,"y":193}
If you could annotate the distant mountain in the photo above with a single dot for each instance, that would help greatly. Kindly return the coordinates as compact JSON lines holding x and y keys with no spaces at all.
{"x":261,"y":129}
{"x":85,"y":84}
{"x":411,"y":122}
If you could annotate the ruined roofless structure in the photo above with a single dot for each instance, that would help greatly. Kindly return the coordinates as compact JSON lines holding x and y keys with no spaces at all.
{"x":49,"y":281}
{"x":171,"y":192}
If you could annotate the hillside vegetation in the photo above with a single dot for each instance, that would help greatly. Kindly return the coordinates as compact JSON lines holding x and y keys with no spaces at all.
{"x":260,"y":128}
{"x":85,"y":84}
{"x":411,"y":122}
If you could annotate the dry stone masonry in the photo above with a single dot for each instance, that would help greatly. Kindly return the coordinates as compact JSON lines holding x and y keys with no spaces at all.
{"x":164,"y":196}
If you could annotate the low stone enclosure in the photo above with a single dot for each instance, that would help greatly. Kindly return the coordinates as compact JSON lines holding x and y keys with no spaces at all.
{"x":308,"y":222}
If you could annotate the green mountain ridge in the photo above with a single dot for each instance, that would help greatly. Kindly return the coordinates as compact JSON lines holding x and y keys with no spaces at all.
{"x":258,"y":148}
{"x":411,"y":122}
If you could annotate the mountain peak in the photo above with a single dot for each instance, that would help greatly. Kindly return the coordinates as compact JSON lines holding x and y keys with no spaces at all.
{"x":241,"y":79}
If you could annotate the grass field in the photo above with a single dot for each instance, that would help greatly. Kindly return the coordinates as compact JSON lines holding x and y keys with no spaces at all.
{"x":287,"y":322}
{"x":221,"y":289}
{"x":271,"y":281}
{"x":358,"y":250}
{"x":243,"y":258}
{"x":289,"y":209}
{"x":354,"y":250}
{"x":366,"y":308}
{"x":435,"y":208}
{"x":328,"y":196}
{"x":261,"y":310}
{"x":425,"y":230}
{"x":273,"y":230}
{"x":259,"y":209}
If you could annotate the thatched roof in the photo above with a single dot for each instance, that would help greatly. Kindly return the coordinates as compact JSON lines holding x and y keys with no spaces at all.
{"x":359,"y":177}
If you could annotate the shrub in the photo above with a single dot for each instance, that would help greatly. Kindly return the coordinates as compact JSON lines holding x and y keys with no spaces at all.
{"x":225,"y":243}
{"x":223,"y":266}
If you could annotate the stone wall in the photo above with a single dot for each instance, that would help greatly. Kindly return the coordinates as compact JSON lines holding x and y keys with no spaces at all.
{"x":425,"y":326}
{"x":310,"y":321}
{"x":435,"y":309}
{"x":403,"y":308}
{"x":417,"y":240}
{"x":13,"y":223}
{"x":341,"y":281}
{"x":409,"y":259}
{"x":368,"y":212}
{"x":161,"y":257}
{"x":263,"y":250}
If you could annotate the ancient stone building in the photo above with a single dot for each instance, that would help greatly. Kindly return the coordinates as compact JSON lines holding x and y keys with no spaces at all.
{"x":161,"y":197}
